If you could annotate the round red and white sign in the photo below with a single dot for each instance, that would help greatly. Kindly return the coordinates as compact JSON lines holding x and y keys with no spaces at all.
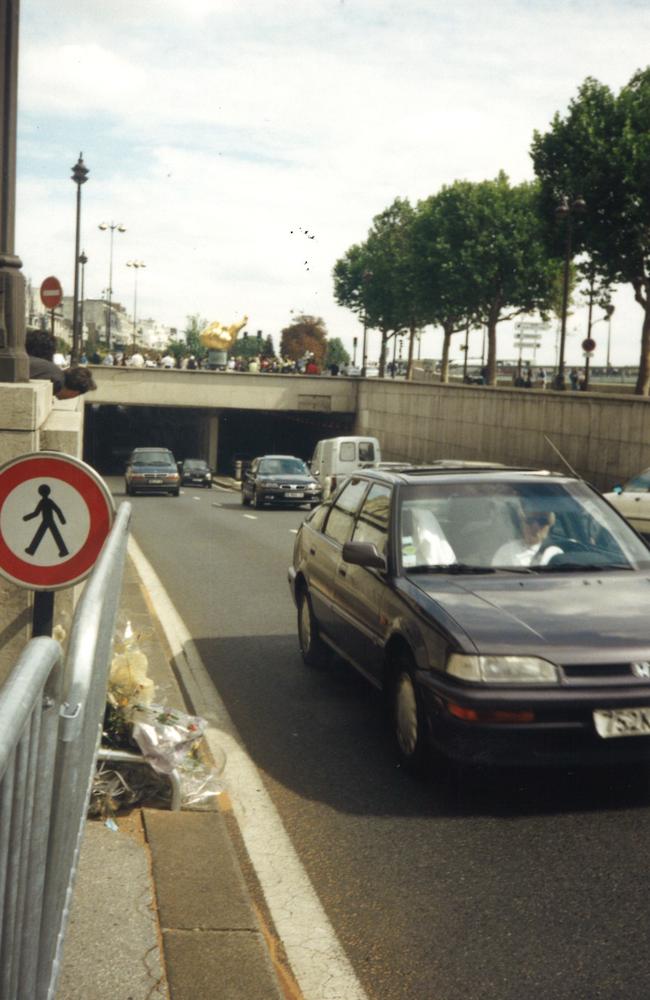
{"x":51,"y":292}
{"x":55,"y":514}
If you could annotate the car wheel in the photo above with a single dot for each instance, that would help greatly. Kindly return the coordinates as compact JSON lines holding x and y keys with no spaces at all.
{"x":175,"y":493}
{"x":314,"y":651}
{"x":257,"y":503}
{"x":407,"y":717}
{"x":127,"y":489}
{"x":244,"y":499}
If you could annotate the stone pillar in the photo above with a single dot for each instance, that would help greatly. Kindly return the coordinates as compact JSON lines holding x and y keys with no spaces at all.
{"x":213,"y":440}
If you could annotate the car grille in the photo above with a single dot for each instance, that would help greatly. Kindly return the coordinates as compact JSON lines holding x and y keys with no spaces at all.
{"x":601,"y":673}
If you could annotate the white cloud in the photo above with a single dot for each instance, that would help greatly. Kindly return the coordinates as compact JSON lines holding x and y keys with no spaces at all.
{"x":213,"y":128}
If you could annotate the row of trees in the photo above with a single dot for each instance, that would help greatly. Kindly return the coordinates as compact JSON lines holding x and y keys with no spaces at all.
{"x":476,"y":254}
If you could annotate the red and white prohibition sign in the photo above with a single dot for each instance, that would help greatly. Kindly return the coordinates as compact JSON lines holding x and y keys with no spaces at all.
{"x":55,"y":514}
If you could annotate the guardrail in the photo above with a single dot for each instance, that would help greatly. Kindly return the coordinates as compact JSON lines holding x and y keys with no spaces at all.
{"x":50,"y":727}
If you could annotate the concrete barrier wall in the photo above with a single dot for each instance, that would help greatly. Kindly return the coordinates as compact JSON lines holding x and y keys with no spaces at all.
{"x":606,"y":439}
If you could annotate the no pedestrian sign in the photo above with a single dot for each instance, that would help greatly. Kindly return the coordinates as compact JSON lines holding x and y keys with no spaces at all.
{"x":55,"y":514}
{"x":51,"y":292}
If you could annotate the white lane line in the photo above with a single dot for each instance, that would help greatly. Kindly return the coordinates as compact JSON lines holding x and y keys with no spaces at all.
{"x":294,"y":531}
{"x":216,"y":504}
{"x":318,"y":961}
{"x":251,"y":517}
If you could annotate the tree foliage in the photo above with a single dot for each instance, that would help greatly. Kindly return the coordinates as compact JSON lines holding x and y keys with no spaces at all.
{"x":307,"y":334}
{"x":600,"y":150}
{"x":336,"y":353}
{"x":194,"y":325}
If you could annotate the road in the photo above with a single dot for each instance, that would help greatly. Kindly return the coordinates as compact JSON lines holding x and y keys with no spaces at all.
{"x":500,"y":886}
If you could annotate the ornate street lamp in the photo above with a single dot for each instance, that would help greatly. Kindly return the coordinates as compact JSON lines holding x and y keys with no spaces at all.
{"x":79,"y":176}
{"x":83,"y":260}
{"x":366,"y":278}
{"x":112,"y":226}
{"x":567,"y":212}
{"x":137,"y":264}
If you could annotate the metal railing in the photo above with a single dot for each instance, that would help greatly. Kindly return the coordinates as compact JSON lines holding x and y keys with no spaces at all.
{"x":50,"y":728}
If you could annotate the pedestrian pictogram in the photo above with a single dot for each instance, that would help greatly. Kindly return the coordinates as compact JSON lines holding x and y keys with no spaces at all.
{"x":55,"y":514}
{"x":47,"y":509}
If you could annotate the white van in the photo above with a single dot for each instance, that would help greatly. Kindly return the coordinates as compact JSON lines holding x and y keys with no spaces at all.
{"x":335,"y":458}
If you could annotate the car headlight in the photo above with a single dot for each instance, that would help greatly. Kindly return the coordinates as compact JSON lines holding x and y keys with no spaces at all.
{"x":502,"y":669}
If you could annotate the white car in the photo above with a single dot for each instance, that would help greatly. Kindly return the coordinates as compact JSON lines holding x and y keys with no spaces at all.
{"x":633,"y":501}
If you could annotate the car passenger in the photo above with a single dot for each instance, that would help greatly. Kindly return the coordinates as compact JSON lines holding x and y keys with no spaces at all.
{"x":424,"y":543}
{"x":530,"y":548}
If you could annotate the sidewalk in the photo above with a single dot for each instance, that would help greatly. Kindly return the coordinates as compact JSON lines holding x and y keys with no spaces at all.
{"x":161,"y":908}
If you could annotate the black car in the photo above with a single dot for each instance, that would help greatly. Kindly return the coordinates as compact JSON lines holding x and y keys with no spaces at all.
{"x":280,"y":480}
{"x":152,"y":470}
{"x":505,"y":613}
{"x":196,"y":471}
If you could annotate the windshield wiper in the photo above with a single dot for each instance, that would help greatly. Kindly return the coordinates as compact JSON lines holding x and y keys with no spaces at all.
{"x":451,"y":568}
{"x":582,"y":567}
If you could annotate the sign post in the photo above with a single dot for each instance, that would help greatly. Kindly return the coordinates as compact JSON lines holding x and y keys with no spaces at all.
{"x":51,"y":296}
{"x":55,"y":514}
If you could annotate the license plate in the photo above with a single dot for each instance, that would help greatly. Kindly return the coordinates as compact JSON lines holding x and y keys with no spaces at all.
{"x":615,"y":722}
{"x":155,"y":482}
{"x":298,"y":496}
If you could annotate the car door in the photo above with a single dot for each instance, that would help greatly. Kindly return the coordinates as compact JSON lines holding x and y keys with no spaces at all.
{"x":325,"y":560}
{"x":249,"y":479}
{"x":360,"y":590}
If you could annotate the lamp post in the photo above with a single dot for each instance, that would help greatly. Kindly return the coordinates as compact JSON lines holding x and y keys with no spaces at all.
{"x":112,"y":226}
{"x":567,"y":212}
{"x":136,"y":264}
{"x":79,"y":176}
{"x":83,"y":260}
{"x":609,"y":311}
{"x":14,"y":363}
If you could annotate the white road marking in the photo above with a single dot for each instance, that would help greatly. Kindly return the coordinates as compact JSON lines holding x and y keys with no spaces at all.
{"x":319,"y":963}
{"x":251,"y":517}
{"x":294,"y":531}
{"x":216,"y":504}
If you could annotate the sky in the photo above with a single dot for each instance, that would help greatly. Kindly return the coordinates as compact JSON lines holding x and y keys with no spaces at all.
{"x":245,"y":145}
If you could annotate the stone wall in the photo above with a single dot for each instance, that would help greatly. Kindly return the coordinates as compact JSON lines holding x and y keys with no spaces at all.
{"x":606,"y":439}
{"x":32,"y":420}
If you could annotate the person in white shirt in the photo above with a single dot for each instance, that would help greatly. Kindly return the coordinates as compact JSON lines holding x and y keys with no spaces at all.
{"x":529,"y":549}
{"x":167,"y":361}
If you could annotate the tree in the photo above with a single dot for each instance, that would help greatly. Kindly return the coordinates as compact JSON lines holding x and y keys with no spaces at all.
{"x":336,"y":353}
{"x":445,"y":290}
{"x":376,"y":278}
{"x":245,"y":347}
{"x":305,"y":334}
{"x":501,"y":261}
{"x":195,"y":324}
{"x":600,"y":150}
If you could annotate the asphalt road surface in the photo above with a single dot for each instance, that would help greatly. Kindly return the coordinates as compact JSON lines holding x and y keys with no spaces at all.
{"x":479,"y":886}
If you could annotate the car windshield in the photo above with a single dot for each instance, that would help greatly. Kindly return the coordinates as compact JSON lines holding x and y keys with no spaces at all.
{"x":516,"y":526}
{"x":194,"y":463}
{"x":640,"y":483}
{"x":153,"y":458}
{"x":283,"y":467}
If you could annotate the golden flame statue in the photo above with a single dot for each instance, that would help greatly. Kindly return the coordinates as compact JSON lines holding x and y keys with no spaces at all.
{"x":217,"y":337}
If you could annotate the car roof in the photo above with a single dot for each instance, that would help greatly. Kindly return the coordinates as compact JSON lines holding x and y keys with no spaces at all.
{"x":260,"y":457}
{"x":409,"y":475}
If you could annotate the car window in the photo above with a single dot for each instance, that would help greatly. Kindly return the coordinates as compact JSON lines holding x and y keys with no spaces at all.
{"x":344,"y":508}
{"x":372,"y":523}
{"x":366,"y":451}
{"x":548,"y":525}
{"x":639,"y":484}
{"x":153,"y":458}
{"x":347,"y":451}
{"x":283,"y":467}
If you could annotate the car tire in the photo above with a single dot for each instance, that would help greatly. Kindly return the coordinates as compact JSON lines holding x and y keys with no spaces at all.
{"x":257,"y":503}
{"x":407,"y":717}
{"x":127,"y":489}
{"x":313,"y":650}
{"x":175,"y":493}
{"x":244,"y":499}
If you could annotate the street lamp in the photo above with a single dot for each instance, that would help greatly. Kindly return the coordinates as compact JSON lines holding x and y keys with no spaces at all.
{"x":79,"y":176}
{"x":83,"y":260}
{"x":121,"y":229}
{"x":567,"y":212}
{"x":137,"y":264}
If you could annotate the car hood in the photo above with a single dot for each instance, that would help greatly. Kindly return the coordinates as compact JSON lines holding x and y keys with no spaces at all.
{"x":587,"y":616}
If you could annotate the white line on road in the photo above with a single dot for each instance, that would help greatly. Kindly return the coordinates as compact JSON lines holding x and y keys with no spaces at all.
{"x":294,"y":531}
{"x":318,"y":962}
{"x":216,"y":504}
{"x":251,"y":517}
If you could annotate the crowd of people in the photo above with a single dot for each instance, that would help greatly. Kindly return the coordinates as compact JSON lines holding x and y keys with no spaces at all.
{"x":257,"y":363}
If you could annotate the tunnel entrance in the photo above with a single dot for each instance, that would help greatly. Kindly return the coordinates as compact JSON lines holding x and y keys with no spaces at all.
{"x":111,"y":432}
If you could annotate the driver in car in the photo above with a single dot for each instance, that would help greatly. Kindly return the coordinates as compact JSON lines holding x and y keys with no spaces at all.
{"x":530,"y":548}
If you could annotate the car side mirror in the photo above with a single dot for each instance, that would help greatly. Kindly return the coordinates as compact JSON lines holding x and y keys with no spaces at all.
{"x":617,"y":489}
{"x":315,"y":472}
{"x":363,"y":554}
